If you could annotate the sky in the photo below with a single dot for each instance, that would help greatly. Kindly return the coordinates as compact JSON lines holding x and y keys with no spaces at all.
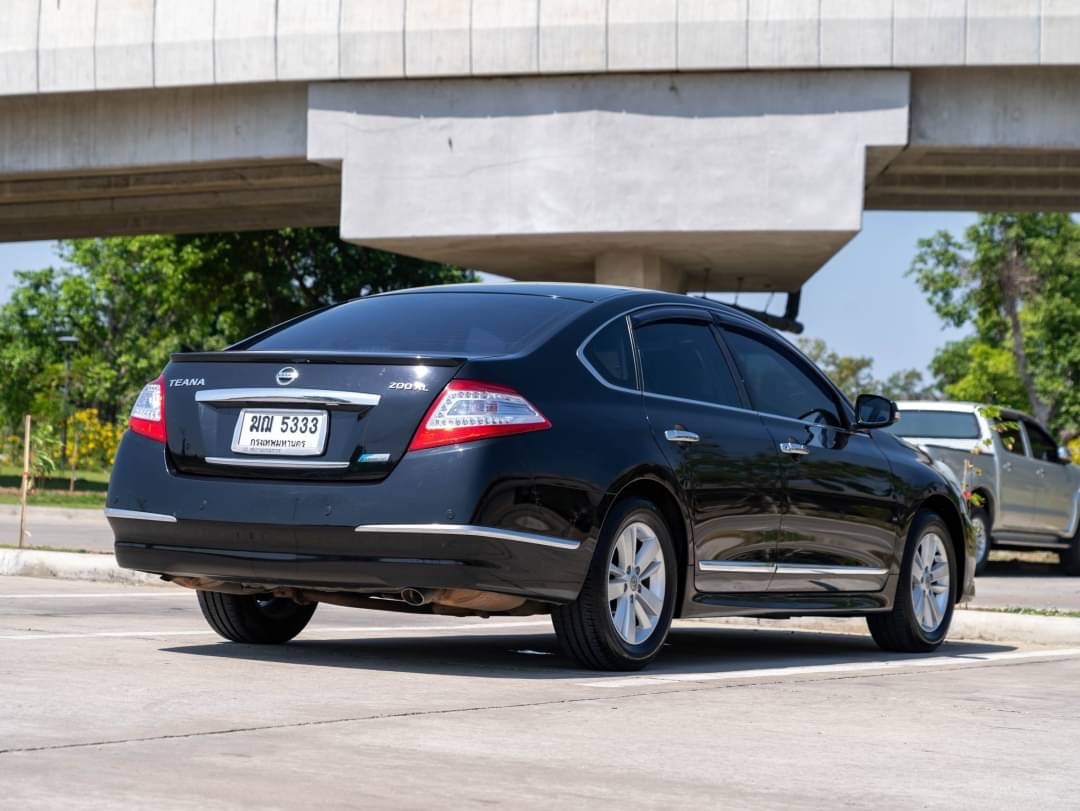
{"x":860,"y":303}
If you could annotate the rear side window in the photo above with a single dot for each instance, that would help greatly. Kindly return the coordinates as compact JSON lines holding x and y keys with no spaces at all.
{"x":1043,"y":447}
{"x":1010,"y":437}
{"x":471,"y":324}
{"x":936,"y":425}
{"x":612,"y":356}
{"x":777,"y":384}
{"x":684,"y":360}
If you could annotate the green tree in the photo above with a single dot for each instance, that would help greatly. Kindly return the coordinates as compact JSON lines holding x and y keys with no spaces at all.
{"x":1015,"y":279}
{"x":854,"y":374}
{"x":133,"y":301}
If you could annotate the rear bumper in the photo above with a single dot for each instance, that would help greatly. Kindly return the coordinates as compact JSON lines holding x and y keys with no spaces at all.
{"x":441,"y":520}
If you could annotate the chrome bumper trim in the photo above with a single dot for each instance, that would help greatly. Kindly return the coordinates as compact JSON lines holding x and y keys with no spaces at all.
{"x":307,"y":397}
{"x":287,"y":462}
{"x":138,"y":515}
{"x":473,"y":532}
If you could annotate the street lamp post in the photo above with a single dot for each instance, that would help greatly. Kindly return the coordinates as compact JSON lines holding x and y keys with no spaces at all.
{"x":67,"y":341}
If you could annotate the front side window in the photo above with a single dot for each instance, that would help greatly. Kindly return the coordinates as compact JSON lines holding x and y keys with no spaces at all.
{"x":1010,"y":437}
{"x":777,"y":384}
{"x":684,"y":360}
{"x":612,"y":356}
{"x":1043,"y":447}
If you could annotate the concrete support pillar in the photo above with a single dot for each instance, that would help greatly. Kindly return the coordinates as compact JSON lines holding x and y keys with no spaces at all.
{"x":639,"y":269}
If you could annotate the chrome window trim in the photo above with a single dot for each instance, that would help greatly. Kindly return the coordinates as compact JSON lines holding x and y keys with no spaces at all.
{"x":139,"y":515}
{"x":284,"y":396}
{"x":284,"y":462}
{"x":633,"y":352}
{"x":472,"y":530}
{"x":641,"y":383}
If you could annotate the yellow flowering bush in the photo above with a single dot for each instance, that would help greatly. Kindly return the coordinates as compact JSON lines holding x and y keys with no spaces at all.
{"x":97,"y":439}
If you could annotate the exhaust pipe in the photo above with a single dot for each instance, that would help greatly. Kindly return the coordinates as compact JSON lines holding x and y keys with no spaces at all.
{"x":417,"y":597}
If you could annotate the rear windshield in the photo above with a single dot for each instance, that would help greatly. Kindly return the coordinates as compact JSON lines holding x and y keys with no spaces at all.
{"x":470,"y":324}
{"x":937,"y":425}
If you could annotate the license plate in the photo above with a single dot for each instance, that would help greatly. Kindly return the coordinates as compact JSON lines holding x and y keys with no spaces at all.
{"x":280,"y":433}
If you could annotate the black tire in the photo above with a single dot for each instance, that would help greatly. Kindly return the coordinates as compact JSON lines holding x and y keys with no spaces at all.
{"x":980,"y":514}
{"x":585,"y":627}
{"x":1070,"y":558}
{"x":257,"y":619}
{"x":898,"y":629}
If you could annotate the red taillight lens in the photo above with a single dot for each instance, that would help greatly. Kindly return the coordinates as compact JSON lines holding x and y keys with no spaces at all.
{"x":148,"y":413}
{"x":468,"y":410}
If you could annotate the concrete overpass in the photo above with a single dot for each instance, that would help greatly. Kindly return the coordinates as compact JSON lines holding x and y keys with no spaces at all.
{"x":680,"y":144}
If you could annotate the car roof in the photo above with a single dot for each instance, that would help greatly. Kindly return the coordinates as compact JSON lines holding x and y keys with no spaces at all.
{"x":589,"y":293}
{"x":959,"y":406}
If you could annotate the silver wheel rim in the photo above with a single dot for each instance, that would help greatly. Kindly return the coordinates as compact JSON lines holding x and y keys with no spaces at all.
{"x":930,"y":590}
{"x":637,"y":583}
{"x":980,"y":538}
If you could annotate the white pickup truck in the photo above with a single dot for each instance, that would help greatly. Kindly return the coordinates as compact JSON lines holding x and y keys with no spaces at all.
{"x":1030,"y":490}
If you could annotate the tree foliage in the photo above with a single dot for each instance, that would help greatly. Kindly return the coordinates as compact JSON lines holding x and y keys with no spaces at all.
{"x":854,"y":374}
{"x":133,"y":301}
{"x":1015,"y":280}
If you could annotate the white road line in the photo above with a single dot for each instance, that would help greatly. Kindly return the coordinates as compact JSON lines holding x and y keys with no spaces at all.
{"x":91,"y":595}
{"x":313,"y":635}
{"x":845,"y":667}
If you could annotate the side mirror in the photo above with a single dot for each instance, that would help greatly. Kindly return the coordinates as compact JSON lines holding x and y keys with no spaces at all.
{"x":874,"y":411}
{"x":1064,"y":456}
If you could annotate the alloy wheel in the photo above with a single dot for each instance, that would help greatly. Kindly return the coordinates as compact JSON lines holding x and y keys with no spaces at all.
{"x":637,"y":583}
{"x":930,"y":585}
{"x":981,"y":539}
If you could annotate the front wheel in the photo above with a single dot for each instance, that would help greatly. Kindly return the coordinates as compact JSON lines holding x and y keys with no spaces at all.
{"x":1070,"y":558}
{"x":923,"y":605}
{"x":980,"y":522}
{"x":623,"y":614}
{"x":261,"y":619}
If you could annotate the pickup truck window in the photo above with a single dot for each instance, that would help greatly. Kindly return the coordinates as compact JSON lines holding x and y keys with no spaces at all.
{"x":1043,"y":447}
{"x":936,"y":425}
{"x":1010,"y":438}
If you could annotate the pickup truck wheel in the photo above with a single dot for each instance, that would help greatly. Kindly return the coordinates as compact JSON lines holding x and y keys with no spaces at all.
{"x":622,"y":615}
{"x":980,"y":521}
{"x":923,"y":605}
{"x":1070,"y":558}
{"x":255,"y":618}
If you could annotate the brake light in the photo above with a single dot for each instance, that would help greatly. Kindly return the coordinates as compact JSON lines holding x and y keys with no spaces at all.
{"x":148,"y":413}
{"x":467,"y":410}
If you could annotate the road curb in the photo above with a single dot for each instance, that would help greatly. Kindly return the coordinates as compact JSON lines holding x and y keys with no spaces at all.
{"x":968,"y":625}
{"x":70,"y":566}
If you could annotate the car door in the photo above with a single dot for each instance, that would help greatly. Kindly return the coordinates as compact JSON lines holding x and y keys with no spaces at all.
{"x":1017,"y":482}
{"x":721,"y":453}
{"x":1055,"y":494}
{"x":838,"y":530}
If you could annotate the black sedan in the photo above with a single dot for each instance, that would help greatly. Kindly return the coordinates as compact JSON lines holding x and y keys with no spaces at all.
{"x":613,"y":457}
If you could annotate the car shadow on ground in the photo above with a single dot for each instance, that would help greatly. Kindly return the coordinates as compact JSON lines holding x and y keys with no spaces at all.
{"x":1019,"y":567}
{"x":537,"y":655}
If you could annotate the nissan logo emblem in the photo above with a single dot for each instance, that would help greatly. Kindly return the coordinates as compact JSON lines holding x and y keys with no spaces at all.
{"x":286,"y":376}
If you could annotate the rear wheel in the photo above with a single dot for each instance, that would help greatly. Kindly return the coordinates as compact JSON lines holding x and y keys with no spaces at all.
{"x":923,"y":606}
{"x":260,"y":619}
{"x":623,"y":613}
{"x":980,"y":522}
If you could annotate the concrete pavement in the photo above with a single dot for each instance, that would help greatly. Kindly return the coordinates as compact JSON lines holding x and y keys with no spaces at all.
{"x":122,"y":697}
{"x":58,"y":527}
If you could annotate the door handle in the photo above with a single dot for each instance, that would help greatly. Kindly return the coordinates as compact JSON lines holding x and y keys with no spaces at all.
{"x":672,"y":435}
{"x":1006,"y":466}
{"x":1040,"y":473}
{"x":794,"y":449}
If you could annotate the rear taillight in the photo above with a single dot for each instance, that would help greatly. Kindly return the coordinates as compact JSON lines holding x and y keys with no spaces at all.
{"x":148,"y":413}
{"x":467,"y":410}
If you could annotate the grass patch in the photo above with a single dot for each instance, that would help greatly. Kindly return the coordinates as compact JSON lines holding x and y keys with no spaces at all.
{"x":54,"y":498}
{"x":1031,"y":612}
{"x":89,"y":481}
